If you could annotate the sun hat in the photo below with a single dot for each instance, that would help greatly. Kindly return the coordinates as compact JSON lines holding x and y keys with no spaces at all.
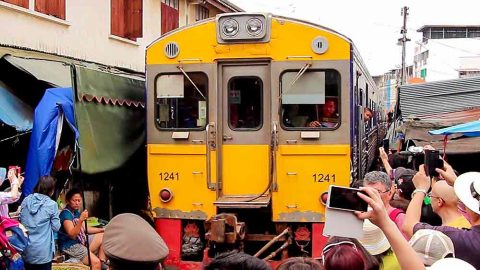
{"x":3,"y":174}
{"x":451,"y":263}
{"x":431,"y":245}
{"x":467,"y":189}
{"x":373,"y":239}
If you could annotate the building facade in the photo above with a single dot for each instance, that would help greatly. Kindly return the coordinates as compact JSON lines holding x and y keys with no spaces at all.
{"x":113,"y":33}
{"x":447,"y":52}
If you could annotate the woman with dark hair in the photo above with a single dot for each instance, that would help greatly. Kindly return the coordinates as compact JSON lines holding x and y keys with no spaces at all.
{"x":39,"y":214}
{"x":300,"y":263}
{"x":235,"y":260}
{"x":72,"y":237}
{"x":370,"y":262}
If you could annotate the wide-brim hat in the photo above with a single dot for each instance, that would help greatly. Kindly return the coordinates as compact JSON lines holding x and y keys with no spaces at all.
{"x":373,"y":239}
{"x":467,"y":189}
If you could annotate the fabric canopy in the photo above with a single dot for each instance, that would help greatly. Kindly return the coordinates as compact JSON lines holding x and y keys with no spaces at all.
{"x":56,"y":105}
{"x":13,"y":111}
{"x":470,"y":129}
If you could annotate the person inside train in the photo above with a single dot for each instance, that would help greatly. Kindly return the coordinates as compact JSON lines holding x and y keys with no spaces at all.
{"x":328,"y":117}
{"x":367,"y":114}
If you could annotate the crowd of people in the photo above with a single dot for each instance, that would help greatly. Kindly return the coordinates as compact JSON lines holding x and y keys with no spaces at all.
{"x":413,"y":222}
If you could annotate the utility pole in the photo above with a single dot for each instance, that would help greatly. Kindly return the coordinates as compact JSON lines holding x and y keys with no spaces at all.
{"x":403,"y":41}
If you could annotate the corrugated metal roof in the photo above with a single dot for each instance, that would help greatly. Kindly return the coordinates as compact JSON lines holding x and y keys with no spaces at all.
{"x":440,"y":97}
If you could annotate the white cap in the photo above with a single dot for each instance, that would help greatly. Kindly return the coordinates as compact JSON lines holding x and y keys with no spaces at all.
{"x":467,"y":189}
{"x":451,"y":263}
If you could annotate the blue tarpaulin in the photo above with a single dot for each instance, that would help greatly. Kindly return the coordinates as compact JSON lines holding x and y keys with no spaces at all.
{"x":55,"y":104}
{"x":470,"y":129}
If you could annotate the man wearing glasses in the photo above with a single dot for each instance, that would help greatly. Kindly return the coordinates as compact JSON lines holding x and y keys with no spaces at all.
{"x":444,"y":203}
{"x":384,"y":185}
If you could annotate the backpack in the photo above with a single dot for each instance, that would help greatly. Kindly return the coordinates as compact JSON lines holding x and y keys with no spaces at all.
{"x":13,"y":241}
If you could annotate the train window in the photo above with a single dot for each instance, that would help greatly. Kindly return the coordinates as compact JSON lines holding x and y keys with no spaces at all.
{"x":181,"y":104}
{"x":310,"y":100}
{"x":245,"y":103}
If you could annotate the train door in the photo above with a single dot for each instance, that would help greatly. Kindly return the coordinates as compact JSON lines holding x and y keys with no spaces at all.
{"x":244,"y":135}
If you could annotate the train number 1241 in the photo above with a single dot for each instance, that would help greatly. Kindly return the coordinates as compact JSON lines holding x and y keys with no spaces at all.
{"x":320,"y":177}
{"x":169,"y":176}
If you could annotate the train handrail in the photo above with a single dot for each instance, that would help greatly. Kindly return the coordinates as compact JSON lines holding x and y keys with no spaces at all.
{"x":273,"y":173}
{"x":210,"y":185}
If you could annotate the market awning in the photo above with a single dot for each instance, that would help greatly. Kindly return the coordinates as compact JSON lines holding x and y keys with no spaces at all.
{"x":110,"y":113}
{"x":13,"y":111}
{"x":470,"y":129}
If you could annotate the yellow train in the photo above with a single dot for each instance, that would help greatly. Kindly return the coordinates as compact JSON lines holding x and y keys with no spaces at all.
{"x":250,"y":118}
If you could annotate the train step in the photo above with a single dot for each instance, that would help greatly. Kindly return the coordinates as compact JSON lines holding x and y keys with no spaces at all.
{"x":243,"y":201}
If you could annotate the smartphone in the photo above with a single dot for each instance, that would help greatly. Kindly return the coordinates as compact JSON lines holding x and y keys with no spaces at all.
{"x":18,"y":170}
{"x":432,"y":161}
{"x":386,"y":145}
{"x":345,"y":198}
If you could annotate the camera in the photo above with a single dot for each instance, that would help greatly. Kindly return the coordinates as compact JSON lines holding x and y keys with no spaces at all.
{"x":344,"y":198}
{"x":432,"y":161}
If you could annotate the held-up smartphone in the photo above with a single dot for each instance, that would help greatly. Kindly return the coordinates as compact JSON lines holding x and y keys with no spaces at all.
{"x":345,"y":198}
{"x":386,"y":145}
{"x":18,"y":170}
{"x":432,"y":161}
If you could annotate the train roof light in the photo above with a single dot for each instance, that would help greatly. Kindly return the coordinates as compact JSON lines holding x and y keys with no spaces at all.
{"x":230,"y":27}
{"x":254,"y":26}
{"x":243,"y":28}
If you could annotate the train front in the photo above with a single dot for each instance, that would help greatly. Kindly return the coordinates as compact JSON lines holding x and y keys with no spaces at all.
{"x":248,"y":125}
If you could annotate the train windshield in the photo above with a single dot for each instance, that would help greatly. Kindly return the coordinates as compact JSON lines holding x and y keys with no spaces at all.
{"x":181,"y":100}
{"x":310,"y":100}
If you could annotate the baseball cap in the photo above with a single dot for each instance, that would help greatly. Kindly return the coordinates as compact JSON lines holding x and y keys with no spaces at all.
{"x":373,"y":239}
{"x":467,"y":189}
{"x":130,"y":242}
{"x":3,"y":174}
{"x":431,"y":245}
{"x":451,"y":263}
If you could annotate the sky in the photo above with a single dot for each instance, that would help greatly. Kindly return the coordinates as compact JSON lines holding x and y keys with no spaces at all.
{"x":374,"y":25}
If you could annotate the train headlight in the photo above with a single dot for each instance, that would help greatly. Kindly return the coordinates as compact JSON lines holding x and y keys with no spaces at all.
{"x":254,"y":27}
{"x":243,"y":27}
{"x":166,"y":195}
{"x":230,"y":27}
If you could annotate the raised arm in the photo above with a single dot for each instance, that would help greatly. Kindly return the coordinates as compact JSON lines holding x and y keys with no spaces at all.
{"x":406,"y":256}
{"x":384,"y":159}
{"x":414,"y":210}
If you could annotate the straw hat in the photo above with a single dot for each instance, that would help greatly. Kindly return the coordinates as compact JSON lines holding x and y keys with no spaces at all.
{"x":431,"y":246}
{"x":373,"y":239}
{"x":467,"y":189}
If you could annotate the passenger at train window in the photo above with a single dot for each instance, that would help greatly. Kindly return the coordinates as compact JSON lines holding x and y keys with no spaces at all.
{"x":367,"y":114}
{"x":329,"y":117}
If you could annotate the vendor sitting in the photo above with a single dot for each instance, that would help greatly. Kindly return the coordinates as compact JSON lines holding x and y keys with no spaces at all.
{"x":72,"y":237}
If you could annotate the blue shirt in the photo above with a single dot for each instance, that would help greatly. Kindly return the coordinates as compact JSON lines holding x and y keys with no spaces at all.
{"x":64,"y":241}
{"x":39,"y":215}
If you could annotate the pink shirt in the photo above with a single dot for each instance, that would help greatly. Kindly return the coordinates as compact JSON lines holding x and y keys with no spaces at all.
{"x":399,"y":220}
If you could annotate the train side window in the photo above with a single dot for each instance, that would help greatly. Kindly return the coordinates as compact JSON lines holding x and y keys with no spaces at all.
{"x":179,"y":103}
{"x":245,"y":103}
{"x":310,"y":100}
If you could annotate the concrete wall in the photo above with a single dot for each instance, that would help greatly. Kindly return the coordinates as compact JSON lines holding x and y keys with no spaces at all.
{"x":85,"y":34}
